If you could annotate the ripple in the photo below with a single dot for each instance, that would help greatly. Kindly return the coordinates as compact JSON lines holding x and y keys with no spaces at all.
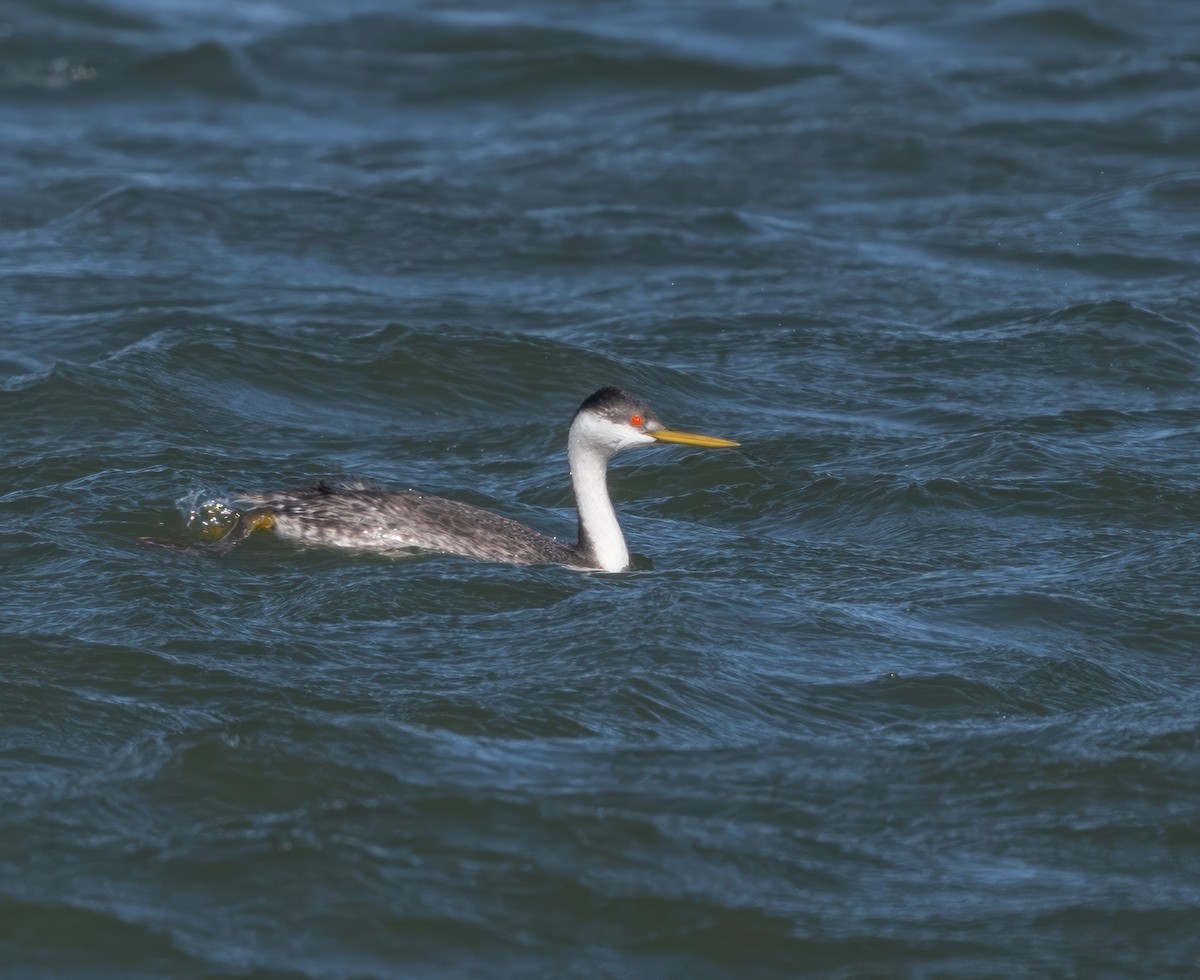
{"x":76,"y":931}
{"x":888,"y":689}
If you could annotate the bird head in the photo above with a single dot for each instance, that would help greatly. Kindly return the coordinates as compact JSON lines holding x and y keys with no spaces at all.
{"x":611,"y":420}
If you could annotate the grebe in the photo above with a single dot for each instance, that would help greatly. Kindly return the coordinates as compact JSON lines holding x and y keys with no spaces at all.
{"x":362,"y":516}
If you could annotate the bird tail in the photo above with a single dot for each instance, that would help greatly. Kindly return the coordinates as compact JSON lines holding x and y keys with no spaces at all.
{"x":246,"y":524}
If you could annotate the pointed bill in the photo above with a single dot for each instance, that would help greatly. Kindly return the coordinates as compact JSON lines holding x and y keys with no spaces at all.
{"x":691,"y":439}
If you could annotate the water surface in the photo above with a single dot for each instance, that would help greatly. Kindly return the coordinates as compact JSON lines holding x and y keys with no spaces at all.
{"x":905,"y":687}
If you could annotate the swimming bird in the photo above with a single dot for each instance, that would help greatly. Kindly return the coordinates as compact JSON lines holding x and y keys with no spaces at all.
{"x":364,"y":516}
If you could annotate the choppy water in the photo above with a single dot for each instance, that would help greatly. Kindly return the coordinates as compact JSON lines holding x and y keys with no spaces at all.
{"x":906,"y":687}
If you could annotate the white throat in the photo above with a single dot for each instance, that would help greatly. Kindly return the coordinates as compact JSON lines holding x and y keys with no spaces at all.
{"x":599,"y":533}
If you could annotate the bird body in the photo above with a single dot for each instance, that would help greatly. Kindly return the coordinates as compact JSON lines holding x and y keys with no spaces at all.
{"x":362,"y":516}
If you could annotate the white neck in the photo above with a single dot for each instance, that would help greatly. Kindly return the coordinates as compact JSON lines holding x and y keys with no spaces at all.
{"x":600,"y":535}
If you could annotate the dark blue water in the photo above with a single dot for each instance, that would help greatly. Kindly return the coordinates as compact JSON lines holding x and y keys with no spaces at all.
{"x":906,"y":686}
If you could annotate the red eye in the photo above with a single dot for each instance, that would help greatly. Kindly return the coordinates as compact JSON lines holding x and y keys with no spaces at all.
{"x":637,"y":421}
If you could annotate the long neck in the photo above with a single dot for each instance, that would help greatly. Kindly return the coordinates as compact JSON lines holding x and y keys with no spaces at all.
{"x":600,"y":537}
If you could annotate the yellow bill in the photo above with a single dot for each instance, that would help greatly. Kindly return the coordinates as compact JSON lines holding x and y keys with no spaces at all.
{"x":691,"y":439}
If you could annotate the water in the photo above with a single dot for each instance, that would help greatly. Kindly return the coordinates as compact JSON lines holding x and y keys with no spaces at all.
{"x":905,"y":687}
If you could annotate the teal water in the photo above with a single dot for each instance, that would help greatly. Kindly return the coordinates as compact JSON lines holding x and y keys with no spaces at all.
{"x":906,"y":686}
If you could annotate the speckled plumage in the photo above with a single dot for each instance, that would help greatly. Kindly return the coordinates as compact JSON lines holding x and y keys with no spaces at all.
{"x":360,"y":516}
